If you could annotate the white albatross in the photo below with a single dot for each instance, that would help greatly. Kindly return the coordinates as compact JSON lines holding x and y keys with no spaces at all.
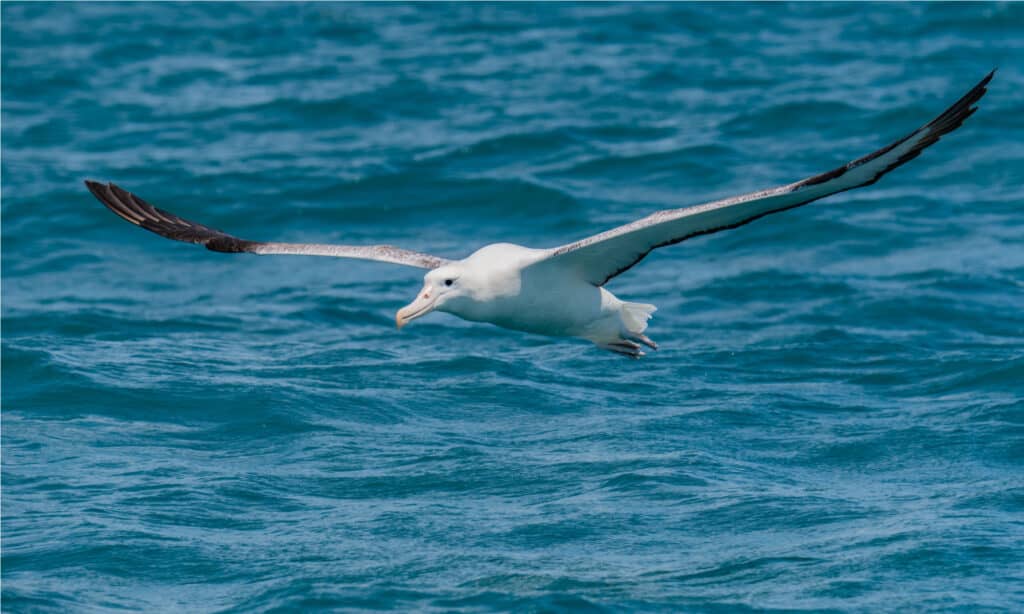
{"x":560,"y":291}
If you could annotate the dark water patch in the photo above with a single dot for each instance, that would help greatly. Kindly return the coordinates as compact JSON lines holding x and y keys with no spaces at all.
{"x":475,"y":199}
{"x":693,"y":161}
{"x":618,"y":133}
{"x":285,"y":113}
{"x":408,"y":97}
{"x":527,"y":149}
{"x":735,"y":569}
{"x":793,"y":117}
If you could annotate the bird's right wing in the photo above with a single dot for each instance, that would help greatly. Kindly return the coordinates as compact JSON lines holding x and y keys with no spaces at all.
{"x":137,"y":211}
{"x":602,"y":256}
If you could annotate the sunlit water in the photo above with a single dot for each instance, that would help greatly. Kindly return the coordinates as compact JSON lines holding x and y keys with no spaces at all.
{"x":834,"y":419}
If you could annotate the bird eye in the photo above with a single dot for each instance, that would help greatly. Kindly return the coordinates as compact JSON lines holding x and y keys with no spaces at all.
{"x":449,"y":282}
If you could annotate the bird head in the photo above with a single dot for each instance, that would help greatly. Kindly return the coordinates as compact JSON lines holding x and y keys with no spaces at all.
{"x":441,"y":287}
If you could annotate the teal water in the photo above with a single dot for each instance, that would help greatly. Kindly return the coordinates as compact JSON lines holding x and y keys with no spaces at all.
{"x":834,"y":420}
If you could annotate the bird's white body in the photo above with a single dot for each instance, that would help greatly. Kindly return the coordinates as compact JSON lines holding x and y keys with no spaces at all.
{"x":499,"y":284}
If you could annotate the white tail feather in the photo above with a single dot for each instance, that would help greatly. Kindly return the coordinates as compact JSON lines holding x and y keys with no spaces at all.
{"x":635,"y":316}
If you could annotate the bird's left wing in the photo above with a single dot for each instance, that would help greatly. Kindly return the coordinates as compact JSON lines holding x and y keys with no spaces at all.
{"x":137,"y":211}
{"x":600,"y":257}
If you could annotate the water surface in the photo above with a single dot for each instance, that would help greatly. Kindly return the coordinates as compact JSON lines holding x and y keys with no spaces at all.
{"x":834,"y":419}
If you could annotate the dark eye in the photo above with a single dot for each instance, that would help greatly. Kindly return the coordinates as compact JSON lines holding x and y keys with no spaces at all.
{"x":449,"y":282}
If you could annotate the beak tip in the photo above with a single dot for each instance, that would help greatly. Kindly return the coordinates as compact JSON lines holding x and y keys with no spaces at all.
{"x":418,"y":308}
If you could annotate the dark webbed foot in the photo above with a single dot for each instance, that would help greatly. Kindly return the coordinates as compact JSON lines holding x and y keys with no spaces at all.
{"x":644,"y":339}
{"x":624,"y":347}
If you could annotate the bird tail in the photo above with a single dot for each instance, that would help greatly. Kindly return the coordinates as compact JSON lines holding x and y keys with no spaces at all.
{"x":635,"y":316}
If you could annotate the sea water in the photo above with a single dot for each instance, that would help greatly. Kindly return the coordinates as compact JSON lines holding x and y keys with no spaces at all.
{"x":834,"y":419}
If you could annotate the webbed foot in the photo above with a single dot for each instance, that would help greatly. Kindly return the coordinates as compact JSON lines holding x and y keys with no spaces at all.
{"x":624,"y":347}
{"x":644,"y":339}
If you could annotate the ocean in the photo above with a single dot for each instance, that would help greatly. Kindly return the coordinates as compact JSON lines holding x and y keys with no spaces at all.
{"x":834,"y":419}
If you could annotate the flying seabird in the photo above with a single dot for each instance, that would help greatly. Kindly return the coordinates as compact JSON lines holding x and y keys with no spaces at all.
{"x":560,"y":291}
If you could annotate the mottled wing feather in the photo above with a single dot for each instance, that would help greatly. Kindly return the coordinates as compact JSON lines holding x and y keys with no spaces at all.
{"x":603,"y":256}
{"x":139,"y":212}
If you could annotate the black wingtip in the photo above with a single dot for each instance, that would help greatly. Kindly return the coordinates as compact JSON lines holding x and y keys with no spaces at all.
{"x":981,"y":84}
{"x":984,"y":82}
{"x":95,"y":187}
{"x":955,"y":115}
{"x":930,"y":133}
{"x":133,"y":209}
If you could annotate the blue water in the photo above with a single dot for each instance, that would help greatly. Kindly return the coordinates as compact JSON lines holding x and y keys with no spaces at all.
{"x":835,"y":419}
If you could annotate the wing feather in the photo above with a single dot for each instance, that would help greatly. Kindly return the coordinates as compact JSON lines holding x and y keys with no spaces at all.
{"x":137,"y":211}
{"x":600,"y":257}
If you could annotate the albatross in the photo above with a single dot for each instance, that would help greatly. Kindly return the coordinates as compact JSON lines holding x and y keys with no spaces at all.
{"x":560,"y":291}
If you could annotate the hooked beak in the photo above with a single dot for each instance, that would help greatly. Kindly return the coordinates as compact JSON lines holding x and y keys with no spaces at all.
{"x":423,"y":305}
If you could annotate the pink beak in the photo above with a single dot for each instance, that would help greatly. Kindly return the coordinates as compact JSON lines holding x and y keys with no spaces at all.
{"x":423,"y":305}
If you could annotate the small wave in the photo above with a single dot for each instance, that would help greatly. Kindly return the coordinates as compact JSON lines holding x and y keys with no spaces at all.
{"x":803,"y":116}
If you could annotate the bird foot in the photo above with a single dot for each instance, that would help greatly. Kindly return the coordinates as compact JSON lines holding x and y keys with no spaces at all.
{"x":644,"y":339}
{"x":624,"y":347}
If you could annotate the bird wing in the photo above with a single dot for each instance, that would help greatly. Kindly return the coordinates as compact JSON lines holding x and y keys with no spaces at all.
{"x":139,"y":212}
{"x":601,"y":257}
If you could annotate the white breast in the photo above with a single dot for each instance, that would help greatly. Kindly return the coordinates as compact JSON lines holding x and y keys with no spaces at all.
{"x":508,"y":292}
